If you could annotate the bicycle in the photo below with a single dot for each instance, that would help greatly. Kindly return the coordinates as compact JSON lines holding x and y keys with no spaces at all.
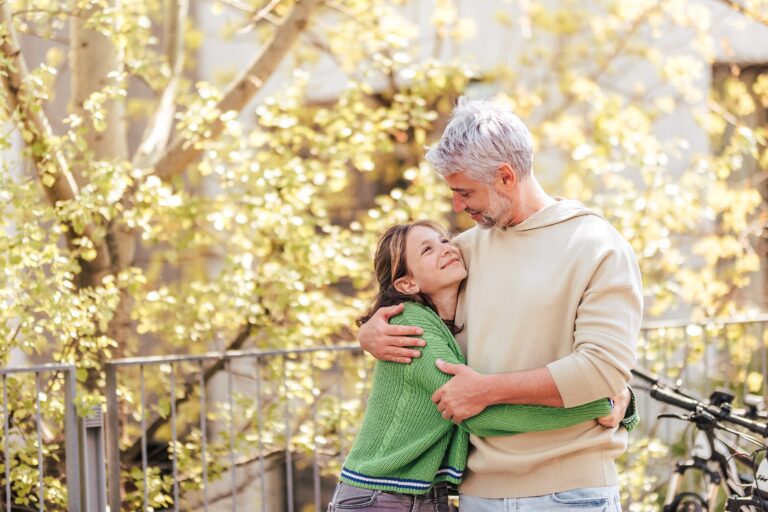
{"x":713,"y":456}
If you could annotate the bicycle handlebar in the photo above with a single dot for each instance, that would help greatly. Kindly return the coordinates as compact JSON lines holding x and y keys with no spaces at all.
{"x":664,"y":392}
{"x":645,"y":375}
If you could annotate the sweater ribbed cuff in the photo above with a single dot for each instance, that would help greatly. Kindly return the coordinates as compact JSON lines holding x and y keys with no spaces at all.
{"x":570,"y":382}
{"x":631,"y":416}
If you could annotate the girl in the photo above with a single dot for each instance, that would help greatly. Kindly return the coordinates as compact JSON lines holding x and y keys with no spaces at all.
{"x":406,"y":454}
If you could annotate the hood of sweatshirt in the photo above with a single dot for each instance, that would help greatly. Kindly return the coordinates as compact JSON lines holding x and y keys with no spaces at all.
{"x":559,"y":211}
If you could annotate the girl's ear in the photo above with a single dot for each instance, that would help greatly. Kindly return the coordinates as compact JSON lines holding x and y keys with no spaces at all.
{"x":406,"y":285}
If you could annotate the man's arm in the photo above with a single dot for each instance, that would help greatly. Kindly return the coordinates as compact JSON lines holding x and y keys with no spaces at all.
{"x":605,"y":332}
{"x":469,"y":392}
{"x":388,"y":342}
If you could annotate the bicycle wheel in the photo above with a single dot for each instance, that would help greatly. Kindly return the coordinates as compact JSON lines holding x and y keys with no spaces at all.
{"x":687,"y":502}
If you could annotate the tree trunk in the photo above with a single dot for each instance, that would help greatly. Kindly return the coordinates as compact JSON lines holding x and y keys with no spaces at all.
{"x":93,"y":57}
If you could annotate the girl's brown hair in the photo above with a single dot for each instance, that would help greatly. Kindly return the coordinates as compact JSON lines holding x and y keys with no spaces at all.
{"x":390,"y":265}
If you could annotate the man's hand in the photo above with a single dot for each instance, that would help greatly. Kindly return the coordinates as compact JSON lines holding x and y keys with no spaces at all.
{"x":388,"y":342}
{"x":463,"y":396}
{"x":620,"y":404}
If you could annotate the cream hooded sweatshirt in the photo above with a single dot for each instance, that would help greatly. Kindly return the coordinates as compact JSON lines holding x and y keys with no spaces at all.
{"x":562,"y":289}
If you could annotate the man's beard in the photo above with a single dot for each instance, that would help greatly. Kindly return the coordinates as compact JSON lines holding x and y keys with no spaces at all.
{"x":498,"y":212}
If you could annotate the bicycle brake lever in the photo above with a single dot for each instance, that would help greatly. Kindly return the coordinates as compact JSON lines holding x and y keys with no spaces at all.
{"x":683,"y":417}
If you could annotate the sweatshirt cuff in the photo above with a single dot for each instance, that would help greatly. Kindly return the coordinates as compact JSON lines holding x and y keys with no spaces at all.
{"x":571,"y":384}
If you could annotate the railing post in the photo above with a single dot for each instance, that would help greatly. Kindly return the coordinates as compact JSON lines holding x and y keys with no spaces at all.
{"x":95,"y":484}
{"x":72,"y":439}
{"x":763,"y":357}
{"x":113,"y":439}
{"x":6,"y":447}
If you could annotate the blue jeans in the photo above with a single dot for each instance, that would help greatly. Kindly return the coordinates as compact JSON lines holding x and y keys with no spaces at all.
{"x":603,"y":499}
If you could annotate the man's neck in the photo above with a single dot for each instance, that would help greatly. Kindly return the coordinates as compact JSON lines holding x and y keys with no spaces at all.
{"x":530,"y":199}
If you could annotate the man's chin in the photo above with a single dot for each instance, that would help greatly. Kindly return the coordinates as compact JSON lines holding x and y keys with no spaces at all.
{"x":482,"y":221}
{"x":485,"y":224}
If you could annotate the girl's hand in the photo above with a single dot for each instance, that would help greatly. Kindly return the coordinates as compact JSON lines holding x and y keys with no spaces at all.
{"x":387,"y":342}
{"x":620,"y":404}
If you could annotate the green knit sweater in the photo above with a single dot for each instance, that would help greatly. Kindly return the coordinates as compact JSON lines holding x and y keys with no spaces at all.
{"x":406,"y":446}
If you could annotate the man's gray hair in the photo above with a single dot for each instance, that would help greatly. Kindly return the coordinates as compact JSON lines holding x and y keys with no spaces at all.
{"x":480,"y":137}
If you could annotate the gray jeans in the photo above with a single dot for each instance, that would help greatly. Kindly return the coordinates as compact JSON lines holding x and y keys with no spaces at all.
{"x":349,"y":497}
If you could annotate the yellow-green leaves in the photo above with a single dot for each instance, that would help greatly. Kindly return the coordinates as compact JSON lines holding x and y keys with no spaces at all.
{"x":274,"y":226}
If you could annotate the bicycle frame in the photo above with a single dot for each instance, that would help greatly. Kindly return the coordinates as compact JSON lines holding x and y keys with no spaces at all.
{"x":757,"y":500}
{"x":713,"y":457}
{"x":716,"y":462}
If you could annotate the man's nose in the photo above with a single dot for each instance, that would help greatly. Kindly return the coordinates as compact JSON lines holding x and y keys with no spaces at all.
{"x":458,"y":204}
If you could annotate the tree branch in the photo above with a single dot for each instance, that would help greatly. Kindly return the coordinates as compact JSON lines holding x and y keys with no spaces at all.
{"x":50,"y":12}
{"x":180,"y":154}
{"x":37,"y":132}
{"x":615,"y":53}
{"x":159,"y":128}
{"x":64,"y":187}
{"x":756,"y":16}
{"x":264,"y":14}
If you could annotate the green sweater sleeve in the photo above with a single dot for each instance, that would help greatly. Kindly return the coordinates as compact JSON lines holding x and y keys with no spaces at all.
{"x":503,"y":420}
{"x":496,"y":420}
{"x":631,"y":417}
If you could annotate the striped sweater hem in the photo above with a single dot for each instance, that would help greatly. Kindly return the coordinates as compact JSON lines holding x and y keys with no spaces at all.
{"x":401,"y":485}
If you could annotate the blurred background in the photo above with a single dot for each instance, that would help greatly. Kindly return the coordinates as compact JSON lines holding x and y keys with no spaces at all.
{"x":188,"y":176}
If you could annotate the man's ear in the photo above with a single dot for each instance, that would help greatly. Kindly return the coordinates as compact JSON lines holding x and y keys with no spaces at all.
{"x":406,"y":285}
{"x":507,"y":175}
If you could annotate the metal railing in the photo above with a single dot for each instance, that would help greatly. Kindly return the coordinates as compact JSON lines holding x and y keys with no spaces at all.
{"x":668,"y":333}
{"x":75,"y":488}
{"x":695,"y":354}
{"x":287,"y":409}
{"x":240,"y":429}
{"x":673,"y":339}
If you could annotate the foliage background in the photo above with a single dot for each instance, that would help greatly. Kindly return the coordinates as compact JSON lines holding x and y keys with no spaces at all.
{"x":149,"y":209}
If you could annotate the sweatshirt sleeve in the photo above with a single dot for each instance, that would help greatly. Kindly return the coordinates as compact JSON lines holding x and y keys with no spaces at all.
{"x":496,"y":420}
{"x":606,"y":329}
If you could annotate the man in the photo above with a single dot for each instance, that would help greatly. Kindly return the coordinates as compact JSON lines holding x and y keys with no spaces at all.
{"x":551,"y":311}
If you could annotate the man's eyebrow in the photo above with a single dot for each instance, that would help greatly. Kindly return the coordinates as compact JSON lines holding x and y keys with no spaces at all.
{"x":458,"y":189}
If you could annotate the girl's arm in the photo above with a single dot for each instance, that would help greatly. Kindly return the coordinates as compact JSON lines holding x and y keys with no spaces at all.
{"x":503,"y":420}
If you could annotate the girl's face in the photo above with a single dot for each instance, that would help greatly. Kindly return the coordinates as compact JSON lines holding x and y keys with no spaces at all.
{"x":433,"y":262}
